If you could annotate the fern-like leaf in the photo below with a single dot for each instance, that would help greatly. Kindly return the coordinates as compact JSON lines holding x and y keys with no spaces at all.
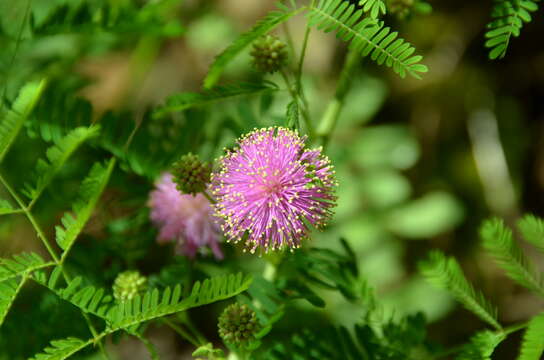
{"x":367,"y":36}
{"x":263,"y":26}
{"x":12,"y":120}
{"x":8,"y":292}
{"x":481,"y":346}
{"x":532,"y":345}
{"x":56,"y":157}
{"x":184,"y":101}
{"x":444,"y":272}
{"x":61,"y":349}
{"x":507,"y":17}
{"x":532,"y":229}
{"x":155,"y":304}
{"x":6,"y":208}
{"x":499,"y":241}
{"x":91,"y":189}
{"x":376,"y":7}
{"x":20,"y":265}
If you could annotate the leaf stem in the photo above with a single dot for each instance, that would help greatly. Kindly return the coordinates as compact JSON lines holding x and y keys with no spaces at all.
{"x":332,"y":113}
{"x":181,"y":331}
{"x":31,"y":218}
{"x":303,"y":110}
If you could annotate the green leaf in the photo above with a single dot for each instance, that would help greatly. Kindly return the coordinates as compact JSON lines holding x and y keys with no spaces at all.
{"x":57,"y":156}
{"x":507,"y":18}
{"x":21,"y":265}
{"x":155,"y":304}
{"x":444,"y":272}
{"x":481,"y":346}
{"x":532,"y":229}
{"x":376,"y":7}
{"x":263,"y":26}
{"x":184,"y":101}
{"x":61,"y":349}
{"x":292,"y":115}
{"x":12,"y":120}
{"x":532,"y":345}
{"x":8,"y":292}
{"x":6,"y":208}
{"x":91,"y":189}
{"x":431,"y":215}
{"x":499,"y":241}
{"x":367,"y":36}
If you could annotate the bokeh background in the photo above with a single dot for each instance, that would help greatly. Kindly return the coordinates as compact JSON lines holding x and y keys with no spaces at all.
{"x":420,"y":162}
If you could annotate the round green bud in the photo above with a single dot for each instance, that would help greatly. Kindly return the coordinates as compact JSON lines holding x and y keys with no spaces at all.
{"x":238,"y":325}
{"x":190,"y":174}
{"x":401,"y":8}
{"x":269,"y":54}
{"x":128,"y":284}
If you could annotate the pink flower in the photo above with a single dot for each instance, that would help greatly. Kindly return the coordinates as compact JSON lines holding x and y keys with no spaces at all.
{"x":270,"y":188}
{"x":186,"y":219}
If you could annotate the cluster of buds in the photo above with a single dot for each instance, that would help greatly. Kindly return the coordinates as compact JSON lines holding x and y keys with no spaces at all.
{"x":269,"y":54}
{"x":238,"y":325}
{"x":128,"y":284}
{"x":190,"y":174}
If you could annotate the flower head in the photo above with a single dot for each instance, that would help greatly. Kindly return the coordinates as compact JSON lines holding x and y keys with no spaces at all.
{"x":270,"y":188}
{"x":128,"y":284}
{"x":190,"y":174}
{"x":238,"y":325}
{"x":269,"y":54}
{"x":185,"y":219}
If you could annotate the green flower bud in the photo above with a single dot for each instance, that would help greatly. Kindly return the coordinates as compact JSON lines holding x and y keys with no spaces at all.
{"x":128,"y":284}
{"x":191,"y":175}
{"x":269,"y":54}
{"x":238,"y":325}
{"x":401,"y":8}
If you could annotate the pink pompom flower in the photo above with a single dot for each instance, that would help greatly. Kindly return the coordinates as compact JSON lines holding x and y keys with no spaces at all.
{"x":186,"y":219}
{"x":271,"y":189}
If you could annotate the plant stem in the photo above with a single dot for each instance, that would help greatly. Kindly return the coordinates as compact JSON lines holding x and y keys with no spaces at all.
{"x":303,"y":52}
{"x":31,"y":218}
{"x":52,"y":253}
{"x":332,"y":113}
{"x":181,"y":331}
{"x":303,"y":110}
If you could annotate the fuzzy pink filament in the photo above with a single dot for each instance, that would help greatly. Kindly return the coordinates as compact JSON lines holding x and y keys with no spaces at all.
{"x":271,"y":189}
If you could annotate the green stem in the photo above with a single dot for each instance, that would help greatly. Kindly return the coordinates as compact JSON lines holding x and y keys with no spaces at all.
{"x":181,"y":331}
{"x":201,"y":339}
{"x":303,"y":110}
{"x":52,"y":253}
{"x":332,"y":113}
{"x":303,"y":52}
{"x":31,"y":218}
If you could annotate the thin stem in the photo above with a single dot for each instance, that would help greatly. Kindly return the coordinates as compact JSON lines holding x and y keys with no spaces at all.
{"x":181,"y":331}
{"x":31,"y":218}
{"x":185,"y":319}
{"x":303,"y":52}
{"x":43,"y":238}
{"x":332,"y":113}
{"x":303,"y":110}
{"x":17,"y":44}
{"x":209,"y":197}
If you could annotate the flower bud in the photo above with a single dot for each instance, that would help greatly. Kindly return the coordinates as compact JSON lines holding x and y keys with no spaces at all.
{"x":190,"y":174}
{"x":238,"y":325}
{"x":269,"y":54}
{"x":128,"y":284}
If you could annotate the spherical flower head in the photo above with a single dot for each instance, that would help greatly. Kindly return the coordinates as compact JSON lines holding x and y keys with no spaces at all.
{"x":238,"y":325}
{"x":190,"y":174}
{"x":185,"y":219}
{"x":269,"y":54}
{"x":270,"y":190}
{"x":128,"y":284}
